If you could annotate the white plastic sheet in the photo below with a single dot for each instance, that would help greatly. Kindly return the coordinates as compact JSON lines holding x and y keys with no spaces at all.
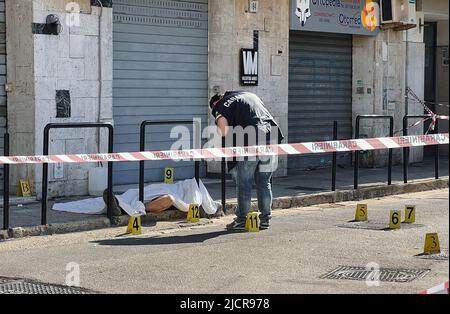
{"x":184,"y":192}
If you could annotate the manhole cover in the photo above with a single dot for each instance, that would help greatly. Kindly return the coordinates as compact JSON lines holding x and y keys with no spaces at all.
{"x":368,"y":225}
{"x":443,"y":256}
{"x":24,"y":286}
{"x":384,"y":274}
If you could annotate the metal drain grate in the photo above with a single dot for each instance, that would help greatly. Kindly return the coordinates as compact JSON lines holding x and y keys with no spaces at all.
{"x":23,"y":286}
{"x":368,"y":225}
{"x":385,"y":274}
{"x":443,"y":256}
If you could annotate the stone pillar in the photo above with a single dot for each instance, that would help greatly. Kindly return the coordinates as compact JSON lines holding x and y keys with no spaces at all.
{"x":380,"y":68}
{"x":39,"y":65}
{"x":231,"y":28}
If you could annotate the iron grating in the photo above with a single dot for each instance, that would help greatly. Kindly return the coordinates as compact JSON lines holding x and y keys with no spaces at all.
{"x":24,"y":286}
{"x":368,"y":225}
{"x":383,"y":274}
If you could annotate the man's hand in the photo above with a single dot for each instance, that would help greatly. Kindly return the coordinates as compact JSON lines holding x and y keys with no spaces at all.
{"x":222,"y":125}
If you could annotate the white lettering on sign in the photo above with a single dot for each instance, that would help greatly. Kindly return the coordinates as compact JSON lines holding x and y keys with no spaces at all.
{"x":250,"y":62}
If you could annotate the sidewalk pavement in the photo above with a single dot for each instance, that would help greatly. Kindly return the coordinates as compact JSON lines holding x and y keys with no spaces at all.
{"x":26,"y":212}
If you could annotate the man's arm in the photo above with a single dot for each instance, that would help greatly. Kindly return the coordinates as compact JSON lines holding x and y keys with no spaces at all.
{"x":222,"y":125}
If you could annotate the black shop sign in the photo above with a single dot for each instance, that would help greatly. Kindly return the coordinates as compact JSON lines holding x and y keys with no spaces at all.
{"x":249,"y":67}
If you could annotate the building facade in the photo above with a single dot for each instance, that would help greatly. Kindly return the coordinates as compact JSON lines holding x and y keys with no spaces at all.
{"x":126,"y":61}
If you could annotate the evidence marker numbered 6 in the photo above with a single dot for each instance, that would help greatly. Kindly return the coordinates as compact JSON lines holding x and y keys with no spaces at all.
{"x":395,"y":219}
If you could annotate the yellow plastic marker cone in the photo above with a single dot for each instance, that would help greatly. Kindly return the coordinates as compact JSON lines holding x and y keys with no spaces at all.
{"x":252,"y":222}
{"x":361,"y":212}
{"x":194,"y":213}
{"x":169,"y":174}
{"x":134,"y":225}
{"x":432,"y":244}
{"x":395,"y":219}
{"x":24,"y":188}
{"x":410,"y":214}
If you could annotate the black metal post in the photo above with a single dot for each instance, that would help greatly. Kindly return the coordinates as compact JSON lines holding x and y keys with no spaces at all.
{"x":144,"y":124}
{"x":406,"y":150}
{"x":222,"y":177}
{"x":356,"y":162}
{"x":47,"y":129}
{"x":142,"y":163}
{"x":391,"y":151}
{"x":391,"y":133}
{"x":6,"y":185}
{"x":45,"y":178}
{"x":110,"y":172}
{"x":197,"y":145}
{"x":436,"y":154}
{"x":333,"y":174}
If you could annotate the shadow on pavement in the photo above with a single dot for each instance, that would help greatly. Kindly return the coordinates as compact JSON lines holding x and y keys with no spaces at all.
{"x":182,"y":239}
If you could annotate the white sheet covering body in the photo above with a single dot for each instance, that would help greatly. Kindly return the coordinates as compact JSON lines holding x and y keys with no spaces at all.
{"x":184,"y":192}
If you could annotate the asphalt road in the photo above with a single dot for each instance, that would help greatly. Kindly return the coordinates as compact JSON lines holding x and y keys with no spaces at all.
{"x":301,"y":246}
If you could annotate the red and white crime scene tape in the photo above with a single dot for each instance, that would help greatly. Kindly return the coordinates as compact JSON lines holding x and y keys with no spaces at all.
{"x":440,"y":289}
{"x":230,"y":152}
{"x":433,"y":116}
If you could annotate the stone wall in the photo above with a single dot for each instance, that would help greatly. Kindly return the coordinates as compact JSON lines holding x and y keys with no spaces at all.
{"x":231,"y":28}
{"x":70,"y":61}
{"x":380,"y":66}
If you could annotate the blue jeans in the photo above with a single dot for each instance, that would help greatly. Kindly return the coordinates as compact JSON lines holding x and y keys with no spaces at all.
{"x":244,"y":173}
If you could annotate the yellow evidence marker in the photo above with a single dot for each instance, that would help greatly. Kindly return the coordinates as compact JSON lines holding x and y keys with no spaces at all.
{"x":410,"y":214}
{"x":432,"y":244}
{"x":193,"y":213}
{"x":252,"y":222}
{"x":134,"y":225}
{"x":395,"y":219}
{"x":361,"y":212}
{"x":24,"y":188}
{"x":169,"y":175}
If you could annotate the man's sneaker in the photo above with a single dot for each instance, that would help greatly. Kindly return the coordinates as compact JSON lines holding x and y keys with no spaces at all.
{"x":116,"y":210}
{"x":264,"y":225}
{"x":236,"y":226}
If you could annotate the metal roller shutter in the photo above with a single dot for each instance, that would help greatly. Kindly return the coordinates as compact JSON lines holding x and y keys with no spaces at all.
{"x":320,"y":91}
{"x":160,"y":73}
{"x":2,"y":80}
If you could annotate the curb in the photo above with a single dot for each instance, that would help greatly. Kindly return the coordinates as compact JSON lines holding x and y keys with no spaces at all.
{"x":351,"y":195}
{"x":278,"y":203}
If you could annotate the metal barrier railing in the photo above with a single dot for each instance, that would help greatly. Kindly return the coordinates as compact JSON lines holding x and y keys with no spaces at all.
{"x":334,"y":163}
{"x":6,"y":185}
{"x":223,"y":178}
{"x":47,"y":129}
{"x":6,"y":207}
{"x":144,"y":124}
{"x":406,"y":150}
{"x":357,"y":135}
